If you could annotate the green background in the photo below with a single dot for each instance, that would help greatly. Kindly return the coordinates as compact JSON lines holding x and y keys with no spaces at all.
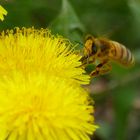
{"x":117,"y":94}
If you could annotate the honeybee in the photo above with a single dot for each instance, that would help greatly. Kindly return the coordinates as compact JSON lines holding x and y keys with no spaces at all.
{"x":101,"y":52}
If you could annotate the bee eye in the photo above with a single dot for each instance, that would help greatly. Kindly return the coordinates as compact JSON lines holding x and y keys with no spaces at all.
{"x":94,"y":48}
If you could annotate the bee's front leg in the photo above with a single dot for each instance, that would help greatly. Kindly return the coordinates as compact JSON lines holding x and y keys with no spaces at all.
{"x":85,"y":61}
{"x":101,"y":69}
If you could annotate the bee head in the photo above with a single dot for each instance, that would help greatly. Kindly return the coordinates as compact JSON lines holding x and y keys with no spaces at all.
{"x":90,"y":48}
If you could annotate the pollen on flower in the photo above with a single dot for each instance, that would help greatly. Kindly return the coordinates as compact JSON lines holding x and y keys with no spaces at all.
{"x":2,"y":13}
{"x":33,"y":51}
{"x":44,"y":108}
{"x":40,"y":88}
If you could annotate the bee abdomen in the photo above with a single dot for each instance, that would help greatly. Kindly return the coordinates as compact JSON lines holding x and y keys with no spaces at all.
{"x":121,"y":54}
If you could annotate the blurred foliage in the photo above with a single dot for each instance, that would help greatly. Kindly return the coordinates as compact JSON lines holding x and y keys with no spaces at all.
{"x":116,"y":95}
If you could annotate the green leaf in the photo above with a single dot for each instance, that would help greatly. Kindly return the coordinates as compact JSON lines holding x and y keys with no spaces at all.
{"x":67,"y":23}
{"x":123,"y":99}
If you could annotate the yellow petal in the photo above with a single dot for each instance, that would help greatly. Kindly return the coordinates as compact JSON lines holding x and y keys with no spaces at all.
{"x":2,"y":13}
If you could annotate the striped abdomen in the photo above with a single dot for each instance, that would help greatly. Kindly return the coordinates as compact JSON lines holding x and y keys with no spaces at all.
{"x":121,"y":54}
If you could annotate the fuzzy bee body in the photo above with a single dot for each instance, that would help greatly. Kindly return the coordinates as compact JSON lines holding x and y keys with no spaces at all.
{"x":121,"y":54}
{"x":105,"y":51}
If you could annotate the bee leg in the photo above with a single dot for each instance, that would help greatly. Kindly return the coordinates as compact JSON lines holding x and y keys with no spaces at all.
{"x":101,"y":69}
{"x":83,"y":65}
{"x":85,"y":61}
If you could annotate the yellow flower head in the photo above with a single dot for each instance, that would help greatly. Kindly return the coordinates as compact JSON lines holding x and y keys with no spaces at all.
{"x":37,"y":51}
{"x":2,"y":12}
{"x":40,"y":93}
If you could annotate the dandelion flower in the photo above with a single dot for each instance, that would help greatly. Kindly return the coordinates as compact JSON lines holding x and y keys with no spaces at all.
{"x":33,"y":51}
{"x":40,"y":93}
{"x":2,"y":13}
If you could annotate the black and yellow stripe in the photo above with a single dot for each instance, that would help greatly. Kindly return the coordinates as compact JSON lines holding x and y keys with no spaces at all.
{"x":121,"y":54}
